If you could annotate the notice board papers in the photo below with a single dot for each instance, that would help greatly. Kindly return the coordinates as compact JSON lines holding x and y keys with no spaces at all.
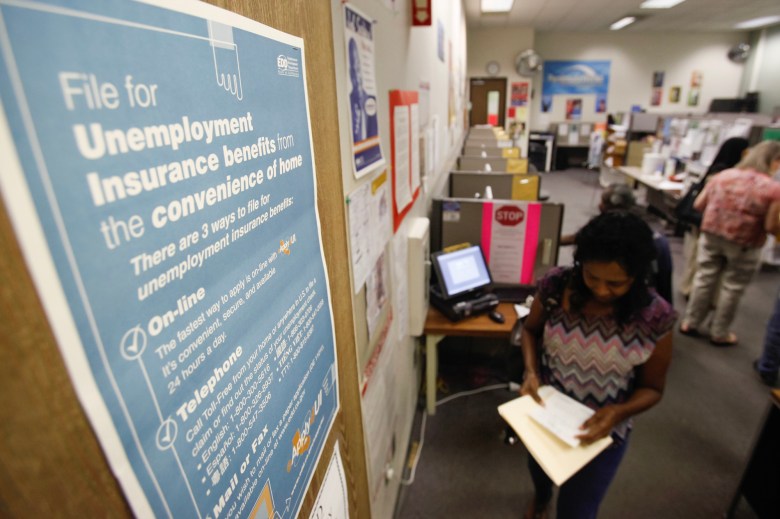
{"x":558,"y":459}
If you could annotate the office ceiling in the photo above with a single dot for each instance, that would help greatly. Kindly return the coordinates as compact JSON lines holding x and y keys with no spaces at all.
{"x":598,"y":15}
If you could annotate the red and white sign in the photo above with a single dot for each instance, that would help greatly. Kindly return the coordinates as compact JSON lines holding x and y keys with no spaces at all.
{"x":421,"y":13}
{"x":509,"y":215}
{"x":510,"y":234}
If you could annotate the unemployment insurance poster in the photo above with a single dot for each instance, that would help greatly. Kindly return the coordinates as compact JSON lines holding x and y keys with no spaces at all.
{"x":158,"y":169}
{"x":359,"y":39}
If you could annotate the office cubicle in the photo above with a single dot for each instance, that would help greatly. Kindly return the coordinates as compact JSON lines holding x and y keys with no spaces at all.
{"x":490,"y":151}
{"x":459,"y":220}
{"x":509,"y":186}
{"x":477,"y":163}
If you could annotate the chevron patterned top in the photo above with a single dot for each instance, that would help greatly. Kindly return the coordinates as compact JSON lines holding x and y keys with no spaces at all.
{"x":593,"y":359}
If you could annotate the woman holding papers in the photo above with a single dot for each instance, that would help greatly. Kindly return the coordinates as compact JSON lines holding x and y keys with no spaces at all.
{"x":597,"y":333}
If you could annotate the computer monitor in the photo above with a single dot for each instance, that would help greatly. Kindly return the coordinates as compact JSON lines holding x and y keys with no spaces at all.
{"x":461,"y":272}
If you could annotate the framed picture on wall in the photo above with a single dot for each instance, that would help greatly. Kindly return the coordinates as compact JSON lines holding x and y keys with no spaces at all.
{"x":574,"y":109}
{"x":601,"y":104}
{"x":674,"y":94}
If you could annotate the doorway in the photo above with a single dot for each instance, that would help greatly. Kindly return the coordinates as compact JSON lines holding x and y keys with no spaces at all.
{"x":488,"y":101}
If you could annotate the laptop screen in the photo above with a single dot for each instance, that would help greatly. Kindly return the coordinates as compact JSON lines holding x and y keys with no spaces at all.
{"x":461,"y":271}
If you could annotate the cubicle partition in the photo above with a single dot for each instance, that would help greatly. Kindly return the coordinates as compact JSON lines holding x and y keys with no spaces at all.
{"x":494,"y":142}
{"x":477,"y":163}
{"x":483,"y":132}
{"x":507,"y":230}
{"x":509,"y":186}
{"x":490,"y":151}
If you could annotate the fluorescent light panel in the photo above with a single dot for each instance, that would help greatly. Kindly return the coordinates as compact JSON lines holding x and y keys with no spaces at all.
{"x":660,"y":4}
{"x":496,"y":6}
{"x":758,"y":22}
{"x":623,"y":22}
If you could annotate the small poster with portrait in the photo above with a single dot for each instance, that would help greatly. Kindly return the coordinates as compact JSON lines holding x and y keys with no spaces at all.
{"x":674,"y":94}
{"x":574,"y":109}
{"x":359,"y":38}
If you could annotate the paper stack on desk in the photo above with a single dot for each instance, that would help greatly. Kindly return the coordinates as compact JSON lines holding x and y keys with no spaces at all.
{"x":552,"y":444}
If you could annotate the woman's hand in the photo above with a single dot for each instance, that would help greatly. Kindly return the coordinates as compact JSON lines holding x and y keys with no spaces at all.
{"x":531,"y":386}
{"x":599,"y":425}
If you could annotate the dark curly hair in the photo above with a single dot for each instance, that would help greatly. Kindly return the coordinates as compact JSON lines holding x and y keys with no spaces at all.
{"x":626,"y":239}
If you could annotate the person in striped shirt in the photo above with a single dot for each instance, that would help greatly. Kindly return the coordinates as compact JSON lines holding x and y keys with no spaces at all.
{"x":599,"y":334}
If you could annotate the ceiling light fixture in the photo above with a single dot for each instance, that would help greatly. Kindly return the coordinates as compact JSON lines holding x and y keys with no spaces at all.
{"x":660,"y":4}
{"x":496,"y":6}
{"x":623,"y":22}
{"x":757,"y":22}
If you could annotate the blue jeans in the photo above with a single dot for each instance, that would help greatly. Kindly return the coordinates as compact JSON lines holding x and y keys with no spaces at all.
{"x":770,"y":358}
{"x":581,"y":495}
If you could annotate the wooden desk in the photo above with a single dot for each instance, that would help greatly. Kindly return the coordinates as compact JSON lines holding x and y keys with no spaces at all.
{"x":761,"y":479}
{"x":657,"y":182}
{"x":437,"y":326}
{"x":662,"y":194}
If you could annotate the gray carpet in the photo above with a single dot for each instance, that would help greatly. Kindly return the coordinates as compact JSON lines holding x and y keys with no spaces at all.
{"x":685,"y":457}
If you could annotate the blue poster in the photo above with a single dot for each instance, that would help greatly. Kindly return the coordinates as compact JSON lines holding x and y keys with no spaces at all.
{"x":363,"y":107}
{"x":159,"y":173}
{"x":575,"y":77}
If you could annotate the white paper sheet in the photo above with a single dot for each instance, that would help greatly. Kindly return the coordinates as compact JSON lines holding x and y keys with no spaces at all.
{"x":522,"y":311}
{"x":332,"y":500}
{"x":414,"y":115}
{"x":400,"y":280}
{"x":370,"y":226}
{"x":379,"y":406}
{"x":376,"y":295}
{"x":403,"y":193}
{"x":561,"y":415}
{"x":559,"y":461}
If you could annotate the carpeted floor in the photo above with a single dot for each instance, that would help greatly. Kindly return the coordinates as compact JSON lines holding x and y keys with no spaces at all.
{"x":686,"y":455}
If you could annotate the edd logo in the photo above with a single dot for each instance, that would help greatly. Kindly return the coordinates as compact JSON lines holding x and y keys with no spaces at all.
{"x":287,"y":66}
{"x":510,"y":215}
{"x":302,"y":439}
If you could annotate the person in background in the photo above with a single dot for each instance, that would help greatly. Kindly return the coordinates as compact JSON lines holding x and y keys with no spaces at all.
{"x":736,"y":205}
{"x":768,"y":365}
{"x":729,"y":154}
{"x":620,"y":197}
{"x":605,"y":340}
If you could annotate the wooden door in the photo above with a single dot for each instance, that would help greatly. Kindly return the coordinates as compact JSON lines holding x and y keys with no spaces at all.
{"x":483,"y":102}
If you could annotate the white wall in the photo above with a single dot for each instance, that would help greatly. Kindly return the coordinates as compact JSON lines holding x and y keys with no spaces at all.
{"x":762,"y":73}
{"x":500,"y":44}
{"x":405,"y":56}
{"x":634,"y":58}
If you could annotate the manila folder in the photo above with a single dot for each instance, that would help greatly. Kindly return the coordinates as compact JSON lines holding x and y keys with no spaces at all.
{"x":559,"y":460}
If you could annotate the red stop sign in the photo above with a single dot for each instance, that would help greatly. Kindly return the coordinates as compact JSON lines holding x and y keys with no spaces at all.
{"x":509,"y":215}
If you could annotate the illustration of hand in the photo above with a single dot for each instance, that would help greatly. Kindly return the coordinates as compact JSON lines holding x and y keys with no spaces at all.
{"x":226,"y":64}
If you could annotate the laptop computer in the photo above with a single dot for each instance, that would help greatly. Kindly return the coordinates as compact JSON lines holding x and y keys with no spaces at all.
{"x":462,"y":283}
{"x":461,"y":274}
